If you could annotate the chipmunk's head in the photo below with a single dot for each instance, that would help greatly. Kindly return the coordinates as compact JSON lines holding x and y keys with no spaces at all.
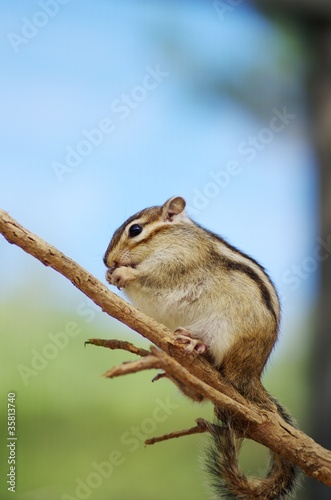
{"x":139,"y":235}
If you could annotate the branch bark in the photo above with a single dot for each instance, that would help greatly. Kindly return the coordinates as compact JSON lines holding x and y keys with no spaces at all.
{"x":202,"y":426}
{"x":266,"y":427}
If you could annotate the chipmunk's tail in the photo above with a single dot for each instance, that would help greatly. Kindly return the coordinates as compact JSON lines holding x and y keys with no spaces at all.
{"x":229,"y":482}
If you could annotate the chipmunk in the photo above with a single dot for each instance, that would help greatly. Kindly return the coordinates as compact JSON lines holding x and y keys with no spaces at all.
{"x":217,"y":300}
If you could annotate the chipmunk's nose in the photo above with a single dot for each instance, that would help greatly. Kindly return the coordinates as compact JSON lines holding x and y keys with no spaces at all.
{"x":111,"y":264}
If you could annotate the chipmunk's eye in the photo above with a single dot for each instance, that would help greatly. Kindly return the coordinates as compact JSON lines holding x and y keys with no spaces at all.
{"x":134,"y":230}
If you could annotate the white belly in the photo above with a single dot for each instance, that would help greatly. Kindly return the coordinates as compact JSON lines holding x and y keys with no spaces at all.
{"x":176,"y":309}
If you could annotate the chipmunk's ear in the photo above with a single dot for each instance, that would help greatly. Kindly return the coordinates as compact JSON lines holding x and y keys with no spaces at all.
{"x":173,"y":207}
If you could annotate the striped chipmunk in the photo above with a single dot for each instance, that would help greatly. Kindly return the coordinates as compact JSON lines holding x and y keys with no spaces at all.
{"x":216,"y":299}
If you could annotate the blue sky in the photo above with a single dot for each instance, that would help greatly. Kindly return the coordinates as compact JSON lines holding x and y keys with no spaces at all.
{"x":91,"y":57}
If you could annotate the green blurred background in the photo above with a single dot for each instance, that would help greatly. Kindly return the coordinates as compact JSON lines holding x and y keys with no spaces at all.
{"x":228,"y":69}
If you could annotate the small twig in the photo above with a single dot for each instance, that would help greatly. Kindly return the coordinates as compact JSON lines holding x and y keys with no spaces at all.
{"x":202,"y":426}
{"x":159,"y":376}
{"x":145,"y":363}
{"x":119,"y":344}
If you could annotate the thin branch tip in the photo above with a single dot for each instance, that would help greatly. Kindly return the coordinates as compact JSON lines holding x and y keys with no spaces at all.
{"x":201,"y":427}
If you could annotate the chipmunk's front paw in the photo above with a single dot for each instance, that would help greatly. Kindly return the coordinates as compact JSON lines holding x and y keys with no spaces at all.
{"x":121,"y":276}
{"x":184,"y":337}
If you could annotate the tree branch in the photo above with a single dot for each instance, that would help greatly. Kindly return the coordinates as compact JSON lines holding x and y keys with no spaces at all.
{"x":193,"y":370}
